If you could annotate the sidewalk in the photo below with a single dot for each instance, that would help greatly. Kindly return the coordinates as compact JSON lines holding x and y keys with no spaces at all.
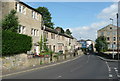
{"x":108,"y":60}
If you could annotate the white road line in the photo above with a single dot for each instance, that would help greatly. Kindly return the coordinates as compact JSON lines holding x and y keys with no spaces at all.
{"x":116,"y":70}
{"x":109,"y":69}
{"x":110,"y":75}
{"x":58,"y":77}
{"x":88,"y":58}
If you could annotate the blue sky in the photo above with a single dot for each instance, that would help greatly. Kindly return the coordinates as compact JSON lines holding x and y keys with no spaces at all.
{"x":78,"y":15}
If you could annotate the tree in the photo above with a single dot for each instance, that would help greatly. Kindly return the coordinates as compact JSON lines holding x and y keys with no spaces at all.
{"x":101,"y":44}
{"x":46,"y":16}
{"x":45,"y":46}
{"x":68,"y":32}
{"x":40,"y":43}
{"x":62,"y":31}
{"x":10,"y":22}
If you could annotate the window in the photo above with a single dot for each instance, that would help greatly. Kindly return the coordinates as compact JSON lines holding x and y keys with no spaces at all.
{"x":24,"y":10}
{"x":37,"y":32}
{"x":21,"y":29}
{"x":34,"y":32}
{"x":33,"y":14}
{"x":16,"y":5}
{"x":52,"y":36}
{"x":110,"y":27}
{"x":20,"y":8}
{"x":114,"y":38}
{"x":108,"y":38}
{"x":114,"y":42}
{"x":36,"y":16}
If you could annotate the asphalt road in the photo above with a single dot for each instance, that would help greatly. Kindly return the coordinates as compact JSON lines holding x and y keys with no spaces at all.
{"x":84,"y":67}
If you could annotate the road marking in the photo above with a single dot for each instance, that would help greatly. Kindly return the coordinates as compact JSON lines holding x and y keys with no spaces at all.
{"x":88,"y":58}
{"x":40,"y":67}
{"x":58,"y":77}
{"x":115,"y":68}
{"x":118,"y":76}
{"x":110,"y":75}
{"x":109,"y":69}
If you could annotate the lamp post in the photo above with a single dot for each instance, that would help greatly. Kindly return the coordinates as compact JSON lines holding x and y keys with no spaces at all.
{"x":118,"y":46}
{"x":112,"y":38}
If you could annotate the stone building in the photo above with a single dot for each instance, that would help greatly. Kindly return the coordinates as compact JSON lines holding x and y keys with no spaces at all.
{"x":57,"y":41}
{"x":29,"y":19}
{"x":110,"y":32}
{"x":31,"y":24}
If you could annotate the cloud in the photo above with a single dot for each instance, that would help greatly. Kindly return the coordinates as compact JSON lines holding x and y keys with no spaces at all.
{"x":109,"y":12}
{"x":90,"y":32}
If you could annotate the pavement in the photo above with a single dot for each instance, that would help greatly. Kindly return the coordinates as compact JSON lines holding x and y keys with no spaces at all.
{"x":110,"y":60}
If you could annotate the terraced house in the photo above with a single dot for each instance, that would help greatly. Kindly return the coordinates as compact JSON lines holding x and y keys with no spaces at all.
{"x":31,"y":24}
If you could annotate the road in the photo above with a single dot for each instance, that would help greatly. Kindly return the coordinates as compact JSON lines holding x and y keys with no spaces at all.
{"x":84,"y":67}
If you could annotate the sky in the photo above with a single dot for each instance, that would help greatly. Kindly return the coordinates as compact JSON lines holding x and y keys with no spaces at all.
{"x":82,"y":18}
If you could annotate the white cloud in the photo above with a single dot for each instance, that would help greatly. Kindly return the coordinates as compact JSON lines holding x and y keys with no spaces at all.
{"x":109,"y":12}
{"x":90,"y":32}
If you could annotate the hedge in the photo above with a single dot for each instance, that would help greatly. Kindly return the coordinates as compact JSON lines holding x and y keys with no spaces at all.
{"x":14,"y":43}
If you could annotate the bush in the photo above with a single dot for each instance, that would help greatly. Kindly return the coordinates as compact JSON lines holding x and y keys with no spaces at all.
{"x":14,"y":43}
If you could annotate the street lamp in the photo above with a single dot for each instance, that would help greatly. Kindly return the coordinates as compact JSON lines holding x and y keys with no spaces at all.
{"x":118,"y":46}
{"x":112,"y":38}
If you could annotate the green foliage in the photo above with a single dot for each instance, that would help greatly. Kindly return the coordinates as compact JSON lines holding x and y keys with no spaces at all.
{"x":101,"y":44}
{"x":62,"y":31}
{"x":45,"y":46}
{"x":68,"y":32}
{"x":13,"y":43}
{"x":46,"y":16}
{"x":10,"y":22}
{"x":40,"y":43}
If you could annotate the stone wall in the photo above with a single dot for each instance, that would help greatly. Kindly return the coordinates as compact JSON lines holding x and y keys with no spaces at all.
{"x":23,"y":61}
